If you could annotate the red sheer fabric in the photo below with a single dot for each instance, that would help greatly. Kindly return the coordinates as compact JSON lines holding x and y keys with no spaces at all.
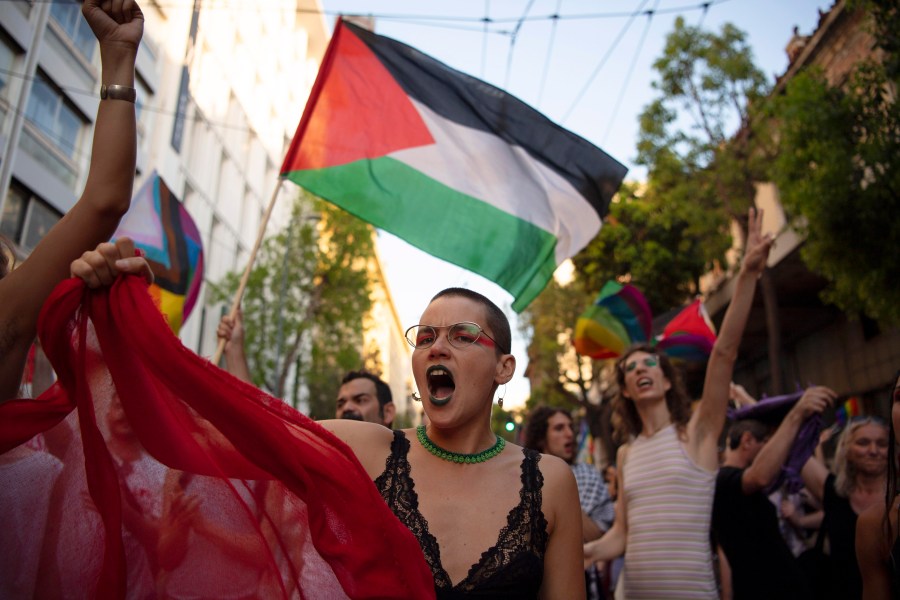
{"x":148,"y":472}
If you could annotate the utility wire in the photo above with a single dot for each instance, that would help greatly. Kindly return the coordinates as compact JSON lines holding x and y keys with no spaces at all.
{"x":603,"y":60}
{"x":705,"y":7}
{"x":484,"y":39}
{"x":630,"y":72}
{"x":549,"y":53}
{"x":230,"y":5}
{"x":512,"y":42}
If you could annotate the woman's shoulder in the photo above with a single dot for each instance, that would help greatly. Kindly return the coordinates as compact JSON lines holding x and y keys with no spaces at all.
{"x":370,"y":442}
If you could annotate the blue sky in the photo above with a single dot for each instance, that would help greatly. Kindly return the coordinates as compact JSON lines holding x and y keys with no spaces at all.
{"x":589,"y":70}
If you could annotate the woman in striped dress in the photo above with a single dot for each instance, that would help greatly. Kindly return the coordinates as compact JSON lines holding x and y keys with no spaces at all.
{"x":667,"y":470}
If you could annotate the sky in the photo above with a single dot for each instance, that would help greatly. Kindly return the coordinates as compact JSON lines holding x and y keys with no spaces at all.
{"x":590,"y":70}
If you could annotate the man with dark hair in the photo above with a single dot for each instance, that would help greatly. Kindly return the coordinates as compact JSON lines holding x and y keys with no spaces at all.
{"x":365,"y":397}
{"x":744,"y":520}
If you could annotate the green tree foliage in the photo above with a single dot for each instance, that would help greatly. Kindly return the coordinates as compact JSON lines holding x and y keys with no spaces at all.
{"x":304,"y":304}
{"x":838,"y":171}
{"x":661,"y":236}
{"x":500,"y":418}
{"x":885,"y":23}
{"x":661,"y":243}
{"x":707,"y":84}
{"x":557,"y":375}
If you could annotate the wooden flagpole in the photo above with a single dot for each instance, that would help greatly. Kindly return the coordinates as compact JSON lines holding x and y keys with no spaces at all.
{"x":236,"y":302}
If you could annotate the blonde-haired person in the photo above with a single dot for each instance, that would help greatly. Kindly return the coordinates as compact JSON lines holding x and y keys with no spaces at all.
{"x":877,"y":538}
{"x":118,"y":26}
{"x":858,"y":483}
{"x":667,"y":471}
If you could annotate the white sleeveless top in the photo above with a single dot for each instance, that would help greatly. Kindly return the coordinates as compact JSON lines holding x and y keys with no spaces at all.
{"x":669,"y":508}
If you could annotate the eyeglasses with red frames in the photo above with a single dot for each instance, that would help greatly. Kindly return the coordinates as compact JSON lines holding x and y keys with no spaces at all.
{"x":651,"y":360}
{"x":460,"y":335}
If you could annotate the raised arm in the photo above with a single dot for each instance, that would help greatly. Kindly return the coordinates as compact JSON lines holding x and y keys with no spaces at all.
{"x":118,"y":26}
{"x":706,"y":424}
{"x":231,"y":329}
{"x":768,"y":462}
{"x":814,"y":474}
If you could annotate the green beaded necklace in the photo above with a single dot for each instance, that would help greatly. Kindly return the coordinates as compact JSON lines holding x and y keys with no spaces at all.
{"x":456,"y":456}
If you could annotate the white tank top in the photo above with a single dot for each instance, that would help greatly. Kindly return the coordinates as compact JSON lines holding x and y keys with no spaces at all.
{"x":669,"y":508}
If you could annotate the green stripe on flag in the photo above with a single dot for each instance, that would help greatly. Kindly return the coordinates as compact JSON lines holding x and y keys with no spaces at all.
{"x":391,"y":195}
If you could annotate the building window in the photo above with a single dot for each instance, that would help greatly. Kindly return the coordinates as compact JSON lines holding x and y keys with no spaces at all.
{"x":13,"y":213}
{"x":26,"y":218}
{"x":68,"y":14}
{"x":49,"y":111}
{"x":39,"y":219}
{"x":8,"y":54}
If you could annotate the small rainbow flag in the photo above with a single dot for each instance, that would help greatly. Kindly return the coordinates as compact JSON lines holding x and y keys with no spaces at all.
{"x":846,"y":411}
{"x":161,"y":226}
{"x":619,"y":317}
{"x":585,"y":452}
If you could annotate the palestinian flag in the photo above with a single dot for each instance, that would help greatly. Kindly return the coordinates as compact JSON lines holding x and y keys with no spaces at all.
{"x":449,"y":163}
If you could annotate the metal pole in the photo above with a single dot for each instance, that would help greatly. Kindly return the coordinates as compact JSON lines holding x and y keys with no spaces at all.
{"x":12,"y":143}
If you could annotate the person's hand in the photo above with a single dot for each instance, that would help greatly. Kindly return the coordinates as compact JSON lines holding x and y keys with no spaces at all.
{"x":231,"y":329}
{"x":740,"y":396}
{"x":814,"y":401}
{"x":788,"y":508}
{"x":175,"y":526}
{"x":115,"y":22}
{"x":756,"y":252}
{"x":101,"y":266}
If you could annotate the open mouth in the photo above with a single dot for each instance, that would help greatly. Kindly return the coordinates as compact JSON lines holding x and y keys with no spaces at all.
{"x":440,"y":384}
{"x":644,"y":383}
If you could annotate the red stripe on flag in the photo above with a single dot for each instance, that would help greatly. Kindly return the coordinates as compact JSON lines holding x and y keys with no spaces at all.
{"x":356,"y":110}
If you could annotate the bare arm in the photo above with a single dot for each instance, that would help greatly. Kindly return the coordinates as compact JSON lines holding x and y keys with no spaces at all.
{"x":768,"y":462}
{"x":707,"y":422}
{"x":231,"y":329}
{"x":106,"y":196}
{"x":563,"y":575}
{"x":589,"y":528}
{"x":872,"y":554}
{"x":814,"y":474}
{"x":811,"y":520}
{"x":612,"y":544}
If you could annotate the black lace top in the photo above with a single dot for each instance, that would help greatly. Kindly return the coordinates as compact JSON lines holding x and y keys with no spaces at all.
{"x":513,"y":568}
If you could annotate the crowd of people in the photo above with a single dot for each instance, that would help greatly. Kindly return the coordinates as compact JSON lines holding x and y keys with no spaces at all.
{"x":671,"y":517}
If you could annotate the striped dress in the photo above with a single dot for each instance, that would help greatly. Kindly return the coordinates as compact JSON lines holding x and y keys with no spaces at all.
{"x":669,"y":499}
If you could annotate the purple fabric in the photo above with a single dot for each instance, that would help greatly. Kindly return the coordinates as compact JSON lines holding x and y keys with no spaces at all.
{"x":775,"y":408}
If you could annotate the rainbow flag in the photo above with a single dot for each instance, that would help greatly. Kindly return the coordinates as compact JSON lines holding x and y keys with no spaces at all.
{"x":846,"y":411}
{"x":161,"y":226}
{"x":690,"y":335}
{"x":619,"y":317}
